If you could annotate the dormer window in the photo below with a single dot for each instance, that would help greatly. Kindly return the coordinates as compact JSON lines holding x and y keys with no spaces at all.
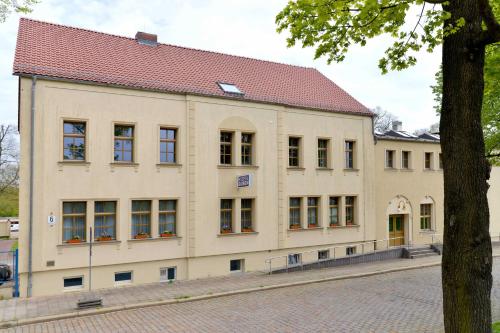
{"x":229,"y":88}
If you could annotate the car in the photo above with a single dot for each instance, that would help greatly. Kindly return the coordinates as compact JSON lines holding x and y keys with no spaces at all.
{"x":14,"y":226}
{"x":5,"y":273}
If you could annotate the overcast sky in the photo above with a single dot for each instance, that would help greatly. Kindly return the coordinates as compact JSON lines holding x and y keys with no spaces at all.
{"x":243,"y":27}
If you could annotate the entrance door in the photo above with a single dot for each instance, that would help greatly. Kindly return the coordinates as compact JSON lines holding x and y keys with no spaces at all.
{"x":396,"y":230}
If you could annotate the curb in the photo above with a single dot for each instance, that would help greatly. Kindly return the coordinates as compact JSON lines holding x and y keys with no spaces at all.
{"x":84,"y":313}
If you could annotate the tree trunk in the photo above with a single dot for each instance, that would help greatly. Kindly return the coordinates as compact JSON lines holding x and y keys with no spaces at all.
{"x":467,"y":261}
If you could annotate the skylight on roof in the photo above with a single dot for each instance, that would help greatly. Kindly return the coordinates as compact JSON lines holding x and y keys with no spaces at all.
{"x":230,"y":88}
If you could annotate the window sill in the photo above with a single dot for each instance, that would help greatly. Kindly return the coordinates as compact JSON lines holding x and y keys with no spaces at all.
{"x":344,"y":226}
{"x":74,"y":244}
{"x":407,"y":170}
{"x":427,"y":231}
{"x":390,"y":169}
{"x":296,"y":169}
{"x":124,"y":164}
{"x":73,"y":162}
{"x":350,"y":170}
{"x":429,"y":170}
{"x":238,"y":234}
{"x":153,"y":239}
{"x":168,"y":165}
{"x":324,"y":169}
{"x":227,"y":166}
{"x":305,"y":229}
{"x":88,"y":243}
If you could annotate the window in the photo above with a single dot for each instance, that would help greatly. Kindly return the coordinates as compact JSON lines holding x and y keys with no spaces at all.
{"x":295,"y":212}
{"x":349,"y":154}
{"x":323,"y":254}
{"x":293,"y":152}
{"x":123,"y":277}
{"x":294,"y":259}
{"x":428,"y":161}
{"x":405,"y":160}
{"x":168,"y":274}
{"x":167,"y":216}
{"x":141,"y":219}
{"x":73,"y":282}
{"x":226,"y":216}
{"x":104,"y":220}
{"x":229,"y":88}
{"x":168,"y":145}
{"x":124,"y":143}
{"x":236,"y":265}
{"x":74,"y":221}
{"x":246,"y":215}
{"x":350,"y":250}
{"x":334,"y":211}
{"x":425,"y":216}
{"x":349,"y":211}
{"x":312,"y":212}
{"x":246,"y":149}
{"x":389,"y":158}
{"x":226,"y":147}
{"x":440,"y":161}
{"x":323,"y":153}
{"x":74,"y":141}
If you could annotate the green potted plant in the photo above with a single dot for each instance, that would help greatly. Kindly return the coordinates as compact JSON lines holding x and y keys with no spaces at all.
{"x":166,"y":233}
{"x":226,"y":231}
{"x":75,"y":239}
{"x":141,"y":235}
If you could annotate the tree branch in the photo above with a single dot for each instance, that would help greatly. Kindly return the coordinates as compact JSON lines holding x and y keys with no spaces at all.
{"x":492,"y":34}
{"x":435,"y":2}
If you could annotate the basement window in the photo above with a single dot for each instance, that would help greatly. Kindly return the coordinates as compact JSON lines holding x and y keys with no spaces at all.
{"x":229,"y":88}
{"x":323,"y":255}
{"x":236,"y":265}
{"x":123,"y":278}
{"x":168,"y":274}
{"x":73,"y":283}
{"x":350,"y":250}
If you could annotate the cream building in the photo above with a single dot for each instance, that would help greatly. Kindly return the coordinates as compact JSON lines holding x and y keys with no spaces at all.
{"x":189,"y":164}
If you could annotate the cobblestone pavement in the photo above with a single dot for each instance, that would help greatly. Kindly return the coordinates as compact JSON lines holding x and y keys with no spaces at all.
{"x":22,"y":308}
{"x":406,"y":301}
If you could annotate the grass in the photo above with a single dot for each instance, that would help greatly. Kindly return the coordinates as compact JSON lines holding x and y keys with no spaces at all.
{"x":9,"y":202}
{"x":496,"y":327}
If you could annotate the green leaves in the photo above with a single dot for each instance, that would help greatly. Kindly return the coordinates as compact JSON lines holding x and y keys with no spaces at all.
{"x":7,"y":6}
{"x":332,"y":26}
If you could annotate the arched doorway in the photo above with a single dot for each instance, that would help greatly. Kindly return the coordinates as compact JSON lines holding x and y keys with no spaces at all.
{"x":399,"y":217}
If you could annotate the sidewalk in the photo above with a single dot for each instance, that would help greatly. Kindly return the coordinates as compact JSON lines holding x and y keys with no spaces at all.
{"x":37,"y":309}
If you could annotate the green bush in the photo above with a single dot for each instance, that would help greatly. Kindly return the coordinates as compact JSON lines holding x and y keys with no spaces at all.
{"x":9,"y":202}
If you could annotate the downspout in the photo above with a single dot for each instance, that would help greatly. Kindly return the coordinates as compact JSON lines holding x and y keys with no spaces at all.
{"x":32,"y":152}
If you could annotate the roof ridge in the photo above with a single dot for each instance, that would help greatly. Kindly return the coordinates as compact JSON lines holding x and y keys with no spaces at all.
{"x":166,"y":44}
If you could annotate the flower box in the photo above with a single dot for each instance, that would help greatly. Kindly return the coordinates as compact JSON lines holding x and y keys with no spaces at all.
{"x":74,"y":241}
{"x":247,"y":230}
{"x":312,"y":226}
{"x":334,"y":225}
{"x":295,"y":226}
{"x":226,"y":231}
{"x":104,"y":238}
{"x":166,"y":234}
{"x":141,"y":236}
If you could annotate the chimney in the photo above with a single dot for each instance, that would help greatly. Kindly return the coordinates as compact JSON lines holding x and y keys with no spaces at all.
{"x":146,"y":39}
{"x":397,"y":125}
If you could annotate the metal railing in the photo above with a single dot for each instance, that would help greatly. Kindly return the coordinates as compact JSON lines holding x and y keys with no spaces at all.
{"x":366,"y":248}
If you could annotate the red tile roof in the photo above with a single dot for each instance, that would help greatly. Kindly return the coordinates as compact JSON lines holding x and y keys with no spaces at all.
{"x":77,"y":54}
